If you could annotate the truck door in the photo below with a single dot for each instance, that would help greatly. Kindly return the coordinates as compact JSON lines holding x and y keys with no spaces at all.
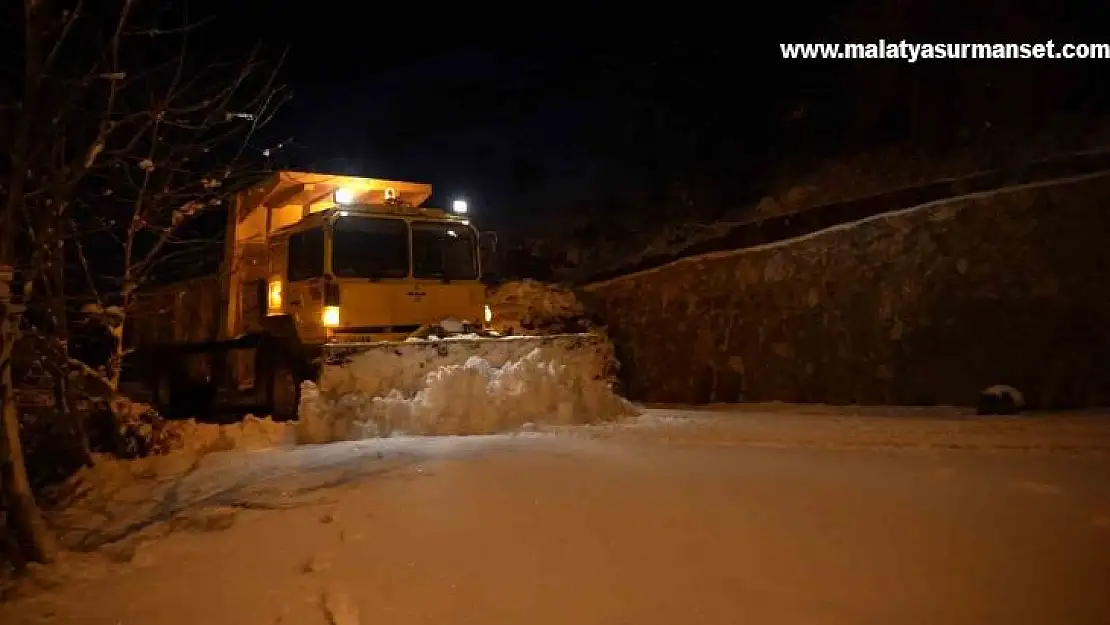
{"x":303,"y":282}
{"x":248,"y":272}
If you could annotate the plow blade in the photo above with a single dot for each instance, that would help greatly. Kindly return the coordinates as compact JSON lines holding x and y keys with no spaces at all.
{"x":378,"y":369}
{"x":459,"y":386}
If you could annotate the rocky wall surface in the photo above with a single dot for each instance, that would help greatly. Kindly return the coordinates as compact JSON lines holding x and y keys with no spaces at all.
{"x":922,"y":306}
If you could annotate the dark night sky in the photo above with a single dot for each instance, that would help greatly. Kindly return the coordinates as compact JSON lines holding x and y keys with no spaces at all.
{"x":530,"y":112}
{"x":518,"y":117}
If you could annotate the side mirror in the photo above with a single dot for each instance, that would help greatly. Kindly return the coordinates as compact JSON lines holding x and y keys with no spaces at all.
{"x":490,"y":260}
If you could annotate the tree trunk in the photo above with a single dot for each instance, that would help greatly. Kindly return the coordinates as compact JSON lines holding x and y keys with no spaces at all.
{"x":75,"y":420}
{"x":24,"y":517}
{"x":59,"y":326}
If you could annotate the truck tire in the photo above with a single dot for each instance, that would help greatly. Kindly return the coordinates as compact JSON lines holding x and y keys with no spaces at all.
{"x":163,"y":394}
{"x":177,"y":398}
{"x":285,"y":393}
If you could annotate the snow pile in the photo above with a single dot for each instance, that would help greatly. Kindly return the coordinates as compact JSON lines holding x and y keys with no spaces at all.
{"x":252,"y":433}
{"x":475,"y":396}
{"x":528,"y":305}
{"x":386,"y":367}
{"x":143,"y":432}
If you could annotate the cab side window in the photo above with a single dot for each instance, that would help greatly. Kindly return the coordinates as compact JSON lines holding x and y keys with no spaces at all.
{"x":306,"y":255}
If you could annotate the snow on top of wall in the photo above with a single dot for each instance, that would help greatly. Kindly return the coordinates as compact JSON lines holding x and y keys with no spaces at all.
{"x":849,"y":225}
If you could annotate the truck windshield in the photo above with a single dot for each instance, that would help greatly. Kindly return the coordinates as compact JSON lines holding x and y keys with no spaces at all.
{"x":443,"y":251}
{"x":367,"y":247}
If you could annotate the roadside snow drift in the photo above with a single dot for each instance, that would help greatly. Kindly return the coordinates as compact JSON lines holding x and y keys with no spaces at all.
{"x":445,"y":387}
{"x":143,"y":432}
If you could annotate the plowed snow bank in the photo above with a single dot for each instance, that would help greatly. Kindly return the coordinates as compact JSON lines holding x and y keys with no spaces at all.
{"x":251,"y":434}
{"x":405,"y":368}
{"x":475,"y":396}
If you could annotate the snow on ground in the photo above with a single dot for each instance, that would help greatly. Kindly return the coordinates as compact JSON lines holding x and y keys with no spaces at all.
{"x":133,"y":501}
{"x":885,"y":428}
{"x":769,"y":513}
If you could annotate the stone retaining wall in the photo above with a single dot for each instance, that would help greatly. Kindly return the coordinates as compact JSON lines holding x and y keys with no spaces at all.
{"x":922,"y":306}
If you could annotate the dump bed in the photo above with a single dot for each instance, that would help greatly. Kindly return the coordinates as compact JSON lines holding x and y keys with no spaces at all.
{"x":188,"y":311}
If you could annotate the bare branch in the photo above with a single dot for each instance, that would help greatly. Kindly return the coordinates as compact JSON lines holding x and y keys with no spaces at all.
{"x":119,"y":155}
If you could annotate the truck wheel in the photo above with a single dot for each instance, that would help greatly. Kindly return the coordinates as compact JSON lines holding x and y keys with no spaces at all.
{"x":285,"y":393}
{"x":163,"y":394}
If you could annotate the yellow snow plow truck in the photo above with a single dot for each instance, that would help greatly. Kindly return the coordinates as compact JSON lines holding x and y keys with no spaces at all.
{"x":331,"y":279}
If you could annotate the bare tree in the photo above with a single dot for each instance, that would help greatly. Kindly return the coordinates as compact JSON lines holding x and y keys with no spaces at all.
{"x":18,"y":133}
{"x":182,"y":139}
{"x":127,"y":129}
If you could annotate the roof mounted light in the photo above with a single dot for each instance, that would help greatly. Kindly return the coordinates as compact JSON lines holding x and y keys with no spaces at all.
{"x":459,"y":206}
{"x":344,"y":195}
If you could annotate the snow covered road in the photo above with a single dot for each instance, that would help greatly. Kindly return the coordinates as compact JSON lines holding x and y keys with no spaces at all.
{"x":775,"y":514}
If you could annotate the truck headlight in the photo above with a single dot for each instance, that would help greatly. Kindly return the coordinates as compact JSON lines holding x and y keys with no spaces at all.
{"x":330,"y":316}
{"x":489,"y":313}
{"x":345,"y":196}
{"x":273,"y":301}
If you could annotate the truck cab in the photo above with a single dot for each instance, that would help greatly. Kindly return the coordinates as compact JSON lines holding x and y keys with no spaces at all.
{"x":350,"y":260}
{"x":363,"y":274}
